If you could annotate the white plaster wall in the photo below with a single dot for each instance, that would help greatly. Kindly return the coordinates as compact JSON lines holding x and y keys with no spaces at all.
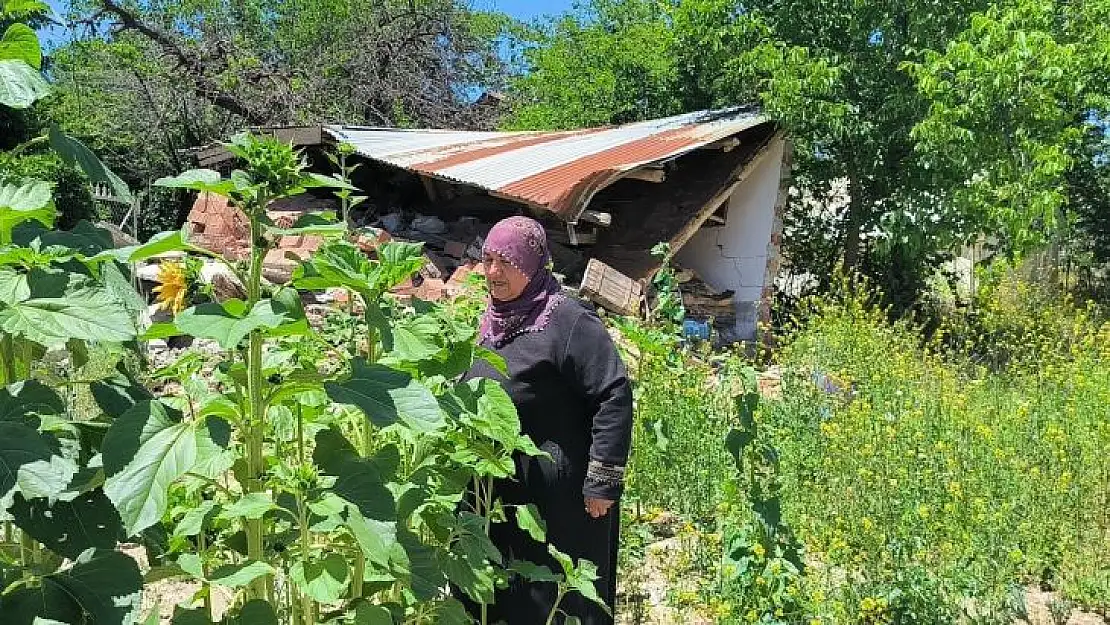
{"x":733,"y":257}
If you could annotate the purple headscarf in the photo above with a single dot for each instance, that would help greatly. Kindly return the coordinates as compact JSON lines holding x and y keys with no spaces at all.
{"x":521,"y":242}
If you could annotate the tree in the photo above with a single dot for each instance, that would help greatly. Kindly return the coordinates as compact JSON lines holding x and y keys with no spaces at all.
{"x":1013,"y":101}
{"x":612,"y":62}
{"x":899,"y":103}
{"x":144,"y":82}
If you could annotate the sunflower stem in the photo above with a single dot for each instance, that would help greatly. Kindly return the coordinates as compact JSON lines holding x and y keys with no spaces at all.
{"x":255,"y":434}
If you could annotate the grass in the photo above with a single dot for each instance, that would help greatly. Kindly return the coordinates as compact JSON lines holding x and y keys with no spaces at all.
{"x":927,"y":482}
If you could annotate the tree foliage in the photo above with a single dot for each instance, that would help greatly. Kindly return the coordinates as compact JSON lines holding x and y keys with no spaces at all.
{"x":611,"y":63}
{"x":934,"y":123}
{"x":143,"y":83}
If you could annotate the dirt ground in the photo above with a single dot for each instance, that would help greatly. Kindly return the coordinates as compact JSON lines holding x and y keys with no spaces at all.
{"x":645,"y":596}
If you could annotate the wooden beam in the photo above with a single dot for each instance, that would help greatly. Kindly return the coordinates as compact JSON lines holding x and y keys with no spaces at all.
{"x":706,"y":211}
{"x":430,"y":188}
{"x":596,"y":217}
{"x":571,"y":236}
{"x":726,"y":145}
{"x":650,"y":174}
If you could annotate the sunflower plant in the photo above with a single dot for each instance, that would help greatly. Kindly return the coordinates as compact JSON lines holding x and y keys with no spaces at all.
{"x":317,"y":485}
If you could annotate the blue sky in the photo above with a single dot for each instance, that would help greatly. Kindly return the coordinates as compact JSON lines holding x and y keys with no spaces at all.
{"x":524,"y":9}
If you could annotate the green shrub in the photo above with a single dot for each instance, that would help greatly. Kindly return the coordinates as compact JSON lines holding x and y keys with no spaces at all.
{"x":71,"y":191}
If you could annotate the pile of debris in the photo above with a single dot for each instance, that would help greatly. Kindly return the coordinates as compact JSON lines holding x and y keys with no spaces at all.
{"x":703,"y":301}
{"x":453,"y":247}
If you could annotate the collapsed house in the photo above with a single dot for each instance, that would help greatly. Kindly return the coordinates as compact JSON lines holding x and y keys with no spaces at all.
{"x":712,"y":184}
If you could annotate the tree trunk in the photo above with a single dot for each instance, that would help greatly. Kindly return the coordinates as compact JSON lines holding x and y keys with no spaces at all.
{"x":853,"y":226}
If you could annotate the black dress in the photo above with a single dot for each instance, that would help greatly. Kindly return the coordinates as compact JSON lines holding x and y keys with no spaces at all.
{"x":572,"y":393}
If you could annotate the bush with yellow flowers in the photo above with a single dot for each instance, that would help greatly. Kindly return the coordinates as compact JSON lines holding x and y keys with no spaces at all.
{"x":947,"y":475}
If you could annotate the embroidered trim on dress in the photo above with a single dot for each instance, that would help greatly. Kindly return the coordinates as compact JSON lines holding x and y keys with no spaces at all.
{"x":611,"y":474}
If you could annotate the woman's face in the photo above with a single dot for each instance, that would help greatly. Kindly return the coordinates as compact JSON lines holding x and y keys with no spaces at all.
{"x":505,"y":282}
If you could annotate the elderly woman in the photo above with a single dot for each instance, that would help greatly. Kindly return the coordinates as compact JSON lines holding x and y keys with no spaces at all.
{"x":574,"y":400}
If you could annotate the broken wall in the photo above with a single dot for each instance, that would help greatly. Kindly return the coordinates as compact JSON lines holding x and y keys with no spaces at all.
{"x":736,"y":256}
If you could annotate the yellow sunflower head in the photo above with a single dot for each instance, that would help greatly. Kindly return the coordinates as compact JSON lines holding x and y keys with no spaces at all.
{"x":173,"y":288}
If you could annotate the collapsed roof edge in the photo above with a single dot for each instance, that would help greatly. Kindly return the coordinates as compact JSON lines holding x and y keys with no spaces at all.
{"x":557,"y":171}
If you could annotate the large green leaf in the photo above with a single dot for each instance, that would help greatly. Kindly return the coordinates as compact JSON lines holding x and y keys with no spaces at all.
{"x":466,"y":565}
{"x":416,"y":339}
{"x":190,"y":616}
{"x":101,"y":588}
{"x":85,"y":238}
{"x":192,"y":523}
{"x":145,"y":451}
{"x":85,"y":312}
{"x":533,"y":572}
{"x":20,"y":84}
{"x":497,"y":417}
{"x":14,"y":286}
{"x":377,"y":539}
{"x":336,"y":264}
{"x":20,"y":446}
{"x":324,"y":579}
{"x":249,"y":506}
{"x":358,"y":480}
{"x":254,"y":612}
{"x":286,"y":301}
{"x":425,"y":574}
{"x":370,"y":614}
{"x":472,"y":540}
{"x":30,"y":397}
{"x":451,"y":611}
{"x":199,"y":180}
{"x":319,"y":224}
{"x":228,"y":323}
{"x":117,"y":393}
{"x":476,"y":581}
{"x":21,"y":43}
{"x":387,"y":396}
{"x":314,"y":180}
{"x":46,"y":478}
{"x":31,"y":201}
{"x":68,"y":528}
{"x":736,"y":442}
{"x":399,"y":261}
{"x":74,"y":152}
{"x":169,"y":241}
{"x":240,"y":575}
{"x":123,"y":290}
{"x":528,"y":519}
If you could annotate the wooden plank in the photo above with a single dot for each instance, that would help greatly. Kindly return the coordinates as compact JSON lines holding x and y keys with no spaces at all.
{"x":596,"y":217}
{"x":726,"y":145}
{"x":430,"y":188}
{"x":571,"y":236}
{"x":647,"y":174}
{"x":610,"y":288}
{"x":722,"y":195}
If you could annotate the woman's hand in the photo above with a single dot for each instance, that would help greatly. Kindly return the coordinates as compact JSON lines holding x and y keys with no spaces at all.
{"x":597,"y":508}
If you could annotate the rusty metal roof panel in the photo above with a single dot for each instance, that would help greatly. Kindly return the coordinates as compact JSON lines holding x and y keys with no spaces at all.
{"x":559,"y":170}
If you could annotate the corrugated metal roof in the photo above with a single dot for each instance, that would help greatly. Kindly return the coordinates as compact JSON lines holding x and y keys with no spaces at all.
{"x":559,"y":171}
